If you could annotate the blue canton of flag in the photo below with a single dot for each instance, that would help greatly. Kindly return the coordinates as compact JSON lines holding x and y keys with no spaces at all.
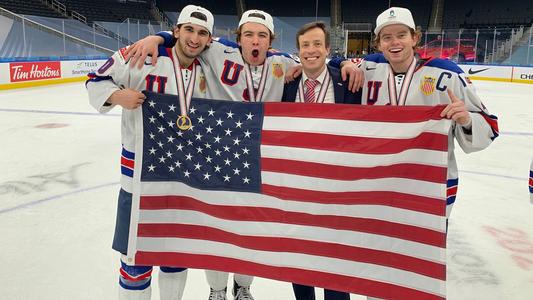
{"x":219,"y":152}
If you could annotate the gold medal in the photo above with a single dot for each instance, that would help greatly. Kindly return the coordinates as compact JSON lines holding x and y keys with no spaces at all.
{"x":184,"y":96}
{"x":184,"y":123}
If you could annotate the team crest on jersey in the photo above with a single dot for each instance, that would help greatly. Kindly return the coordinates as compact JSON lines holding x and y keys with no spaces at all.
{"x":203,"y":84}
{"x":428,"y":85}
{"x":277,"y":71}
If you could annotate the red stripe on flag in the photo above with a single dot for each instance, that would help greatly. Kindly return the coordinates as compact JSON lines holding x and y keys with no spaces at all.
{"x":319,"y":170}
{"x":530,"y":181}
{"x":426,"y":140}
{"x":320,"y":279}
{"x":280,"y":244}
{"x":130,"y":163}
{"x":392,"y":199}
{"x":263,"y":214}
{"x":405,"y":114}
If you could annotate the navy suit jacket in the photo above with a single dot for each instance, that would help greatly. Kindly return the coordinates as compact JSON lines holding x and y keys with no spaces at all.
{"x":340,"y":89}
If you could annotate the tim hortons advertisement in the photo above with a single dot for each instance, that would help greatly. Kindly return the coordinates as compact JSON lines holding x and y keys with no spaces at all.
{"x":28,"y":71}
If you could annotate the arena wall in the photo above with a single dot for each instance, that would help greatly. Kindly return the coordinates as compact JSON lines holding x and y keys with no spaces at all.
{"x":20,"y":74}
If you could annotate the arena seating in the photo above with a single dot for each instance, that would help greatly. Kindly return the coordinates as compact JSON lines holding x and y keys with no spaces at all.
{"x":489,"y":13}
{"x":29,"y":7}
{"x":111,"y":11}
{"x":354,"y":12}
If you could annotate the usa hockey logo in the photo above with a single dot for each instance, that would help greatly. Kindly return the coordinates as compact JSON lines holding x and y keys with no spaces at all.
{"x":203,"y":84}
{"x":428,"y":85}
{"x":277,"y":70}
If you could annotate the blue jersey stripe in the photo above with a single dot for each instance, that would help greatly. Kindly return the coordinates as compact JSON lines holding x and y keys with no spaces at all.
{"x":450,"y":200}
{"x":452,"y":182}
{"x":127,"y":154}
{"x":126,"y":171}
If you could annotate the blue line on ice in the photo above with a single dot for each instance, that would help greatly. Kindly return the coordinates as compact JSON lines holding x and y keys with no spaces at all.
{"x":56,"y":197}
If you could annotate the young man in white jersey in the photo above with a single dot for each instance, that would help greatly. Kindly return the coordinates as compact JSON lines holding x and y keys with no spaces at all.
{"x":115,"y":83}
{"x":397,"y":77}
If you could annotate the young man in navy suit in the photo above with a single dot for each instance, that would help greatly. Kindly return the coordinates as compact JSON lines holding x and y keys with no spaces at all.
{"x":318,"y":83}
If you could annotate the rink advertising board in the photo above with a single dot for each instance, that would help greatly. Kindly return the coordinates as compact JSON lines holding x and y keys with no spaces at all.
{"x":76,"y":68}
{"x":37,"y":73}
{"x":485,"y":72}
{"x":28,"y":74}
{"x":499,"y":73}
{"x":4,"y":73}
{"x":523,"y":74}
{"x":31,"y":71}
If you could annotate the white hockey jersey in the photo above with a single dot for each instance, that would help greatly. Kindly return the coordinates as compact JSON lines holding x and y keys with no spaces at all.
{"x":226,"y":72}
{"x":116,"y":74}
{"x":428,"y":86}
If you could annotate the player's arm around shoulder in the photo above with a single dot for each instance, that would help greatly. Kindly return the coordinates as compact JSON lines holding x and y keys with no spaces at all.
{"x":218,"y":52}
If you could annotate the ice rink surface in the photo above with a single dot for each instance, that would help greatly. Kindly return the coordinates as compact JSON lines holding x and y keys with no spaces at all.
{"x":59,"y":176}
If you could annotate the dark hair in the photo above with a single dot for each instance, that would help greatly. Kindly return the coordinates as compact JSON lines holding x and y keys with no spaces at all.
{"x":257,"y":15}
{"x":199,"y":16}
{"x":196,"y":15}
{"x":310,"y":26}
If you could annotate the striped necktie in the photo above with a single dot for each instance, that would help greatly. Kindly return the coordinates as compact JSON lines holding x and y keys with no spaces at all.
{"x":310,"y":85}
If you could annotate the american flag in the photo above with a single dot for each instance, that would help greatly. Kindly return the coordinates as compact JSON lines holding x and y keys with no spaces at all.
{"x":345,"y":197}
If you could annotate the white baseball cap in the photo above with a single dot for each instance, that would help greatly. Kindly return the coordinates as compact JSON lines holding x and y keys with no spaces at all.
{"x":186,"y":17}
{"x":394,"y":15}
{"x":258,"y":16}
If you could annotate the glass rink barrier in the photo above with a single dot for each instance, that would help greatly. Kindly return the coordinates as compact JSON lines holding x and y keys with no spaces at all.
{"x":510,"y":46}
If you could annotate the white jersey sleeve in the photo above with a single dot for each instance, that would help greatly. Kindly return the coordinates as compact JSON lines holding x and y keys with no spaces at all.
{"x":110,"y":77}
{"x":484,"y":125}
